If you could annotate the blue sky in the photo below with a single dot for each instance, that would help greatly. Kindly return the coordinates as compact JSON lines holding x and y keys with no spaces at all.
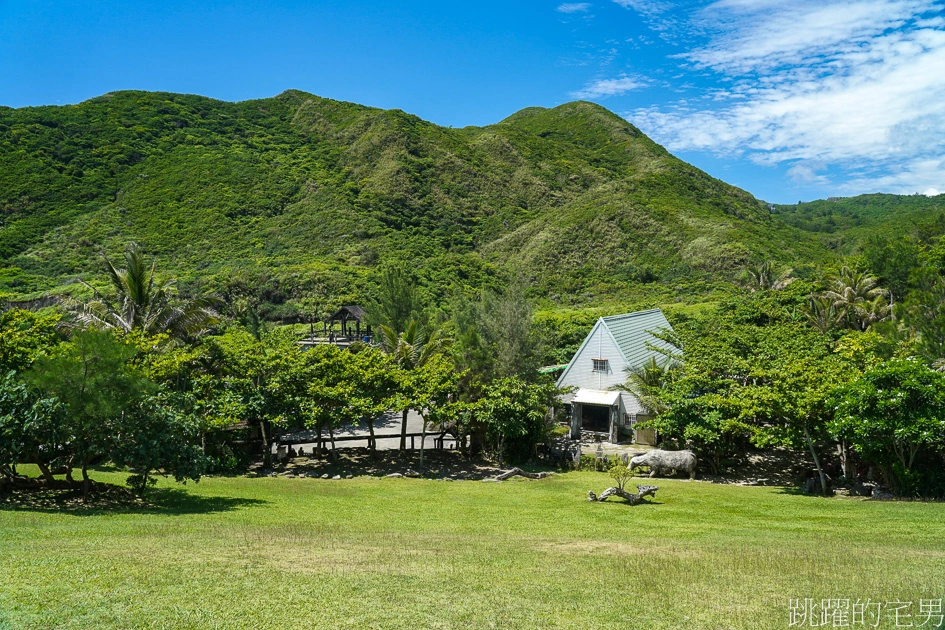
{"x":789,"y":100}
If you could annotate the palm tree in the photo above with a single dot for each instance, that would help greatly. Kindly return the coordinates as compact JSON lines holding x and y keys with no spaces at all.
{"x":821,"y":313}
{"x":647,"y":381}
{"x":768,"y":276}
{"x":874,"y":311}
{"x":144,"y":302}
{"x":410,"y":349}
{"x":857,"y":298}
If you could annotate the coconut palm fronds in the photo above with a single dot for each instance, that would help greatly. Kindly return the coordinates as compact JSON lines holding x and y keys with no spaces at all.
{"x":140,"y":300}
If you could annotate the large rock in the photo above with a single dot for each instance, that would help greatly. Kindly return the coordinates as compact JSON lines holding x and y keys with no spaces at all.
{"x":660,"y":462}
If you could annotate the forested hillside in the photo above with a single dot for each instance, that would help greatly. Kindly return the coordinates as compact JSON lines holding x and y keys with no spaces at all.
{"x":295,"y":194}
{"x":846,"y":223}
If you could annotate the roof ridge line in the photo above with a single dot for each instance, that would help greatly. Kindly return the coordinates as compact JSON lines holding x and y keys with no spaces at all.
{"x":633,"y":314}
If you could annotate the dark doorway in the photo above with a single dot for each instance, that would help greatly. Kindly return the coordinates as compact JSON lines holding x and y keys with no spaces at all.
{"x":595,"y":418}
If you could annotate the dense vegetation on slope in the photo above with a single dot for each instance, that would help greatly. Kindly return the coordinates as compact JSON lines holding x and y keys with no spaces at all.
{"x":846,"y":222}
{"x":285,"y":197}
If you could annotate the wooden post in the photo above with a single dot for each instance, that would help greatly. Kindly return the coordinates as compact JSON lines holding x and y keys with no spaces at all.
{"x":614,"y":424}
{"x":575,"y":421}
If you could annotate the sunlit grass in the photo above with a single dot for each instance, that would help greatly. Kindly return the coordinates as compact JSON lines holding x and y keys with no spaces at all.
{"x":410,"y":553}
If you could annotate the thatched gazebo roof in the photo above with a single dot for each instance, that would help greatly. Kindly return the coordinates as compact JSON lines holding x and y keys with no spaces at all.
{"x":349,"y":313}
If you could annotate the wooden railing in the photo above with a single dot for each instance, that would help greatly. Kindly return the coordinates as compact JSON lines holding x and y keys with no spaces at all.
{"x":322,"y":441}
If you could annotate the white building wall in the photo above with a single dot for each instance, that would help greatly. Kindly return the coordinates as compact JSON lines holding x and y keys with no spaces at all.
{"x":580,"y":372}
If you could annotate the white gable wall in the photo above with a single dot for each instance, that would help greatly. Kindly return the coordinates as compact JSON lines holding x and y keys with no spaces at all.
{"x":598,"y":345}
{"x":580,"y":373}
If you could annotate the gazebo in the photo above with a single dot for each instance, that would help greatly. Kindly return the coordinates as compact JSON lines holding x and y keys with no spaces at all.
{"x":351,"y":318}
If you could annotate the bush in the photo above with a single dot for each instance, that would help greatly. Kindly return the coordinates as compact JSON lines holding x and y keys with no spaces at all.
{"x":894,"y":417}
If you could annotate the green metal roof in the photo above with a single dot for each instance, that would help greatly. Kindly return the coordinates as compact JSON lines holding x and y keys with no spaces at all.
{"x":548,"y":369}
{"x":631,"y":333}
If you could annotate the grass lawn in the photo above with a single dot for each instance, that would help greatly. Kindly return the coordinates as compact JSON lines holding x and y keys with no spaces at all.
{"x":412,"y":553}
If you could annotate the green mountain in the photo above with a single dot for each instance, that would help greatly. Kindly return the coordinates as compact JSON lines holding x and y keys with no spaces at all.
{"x":298,"y":193}
{"x":844,"y":223}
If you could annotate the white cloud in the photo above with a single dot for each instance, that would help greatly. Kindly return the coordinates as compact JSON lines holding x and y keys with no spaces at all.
{"x":858,"y":86}
{"x":806,"y":173}
{"x":609,"y":87}
{"x":931,"y":192}
{"x":573,"y":7}
{"x":753,"y":34}
{"x":645,"y":7}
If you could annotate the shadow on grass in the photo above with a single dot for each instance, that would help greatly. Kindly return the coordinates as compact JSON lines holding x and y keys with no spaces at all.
{"x":112,"y":499}
{"x":797,"y":492}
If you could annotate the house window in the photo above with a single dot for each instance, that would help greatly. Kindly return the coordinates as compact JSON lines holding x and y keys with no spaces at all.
{"x":600,"y":365}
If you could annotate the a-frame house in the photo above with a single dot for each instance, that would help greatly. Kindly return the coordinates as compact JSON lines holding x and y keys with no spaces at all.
{"x":614,"y":344}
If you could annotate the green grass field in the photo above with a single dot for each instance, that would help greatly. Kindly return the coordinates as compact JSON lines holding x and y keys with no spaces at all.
{"x":411,"y":553}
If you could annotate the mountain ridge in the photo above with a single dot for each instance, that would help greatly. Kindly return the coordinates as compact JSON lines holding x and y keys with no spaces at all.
{"x":313,"y":191}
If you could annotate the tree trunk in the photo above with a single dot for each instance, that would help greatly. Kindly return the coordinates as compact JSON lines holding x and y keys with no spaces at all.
{"x":266,"y":447}
{"x":423,"y":438}
{"x":47,"y":474}
{"x":331,"y":436}
{"x":520,"y":473}
{"x":846,"y":462}
{"x":462,"y":434}
{"x":820,"y":471}
{"x":632,"y":499}
{"x":403,"y":431}
{"x":85,"y":482}
{"x":372,"y":444}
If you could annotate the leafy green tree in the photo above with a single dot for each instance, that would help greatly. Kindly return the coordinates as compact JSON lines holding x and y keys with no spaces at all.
{"x":752,"y":377}
{"x":158,"y":437}
{"x":30,"y":426}
{"x":33,"y":430}
{"x":93,"y":377}
{"x":24,"y":335}
{"x":801,"y":403}
{"x":621,"y":474}
{"x":409,"y":350}
{"x":893,"y":415}
{"x":515,"y":413}
{"x":376,"y":380}
{"x":433,"y":393}
{"x":893,"y":259}
{"x":264,"y":380}
{"x":142,"y":301}
{"x":924,"y":313}
{"x":333,"y":399}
